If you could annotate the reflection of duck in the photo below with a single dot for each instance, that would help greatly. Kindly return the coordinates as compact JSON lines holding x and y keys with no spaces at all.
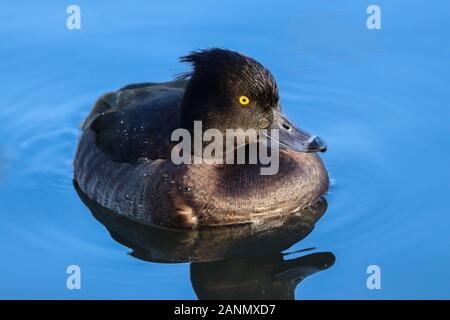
{"x":264,"y":277}
{"x":123,"y":157}
{"x":239,"y":262}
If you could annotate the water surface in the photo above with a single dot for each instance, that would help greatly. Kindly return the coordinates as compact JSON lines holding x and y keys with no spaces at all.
{"x":379,"y":98}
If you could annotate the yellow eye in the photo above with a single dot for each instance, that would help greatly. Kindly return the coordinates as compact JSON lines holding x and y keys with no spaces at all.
{"x":244,"y":100}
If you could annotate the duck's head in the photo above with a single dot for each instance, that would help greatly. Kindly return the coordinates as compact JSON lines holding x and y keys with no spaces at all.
{"x":228,"y":90}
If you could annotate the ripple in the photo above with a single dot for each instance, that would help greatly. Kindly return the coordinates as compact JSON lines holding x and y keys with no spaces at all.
{"x":49,"y":163}
{"x":41,"y":136}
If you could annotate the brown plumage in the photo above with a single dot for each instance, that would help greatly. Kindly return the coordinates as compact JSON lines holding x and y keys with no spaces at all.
{"x":123,"y":157}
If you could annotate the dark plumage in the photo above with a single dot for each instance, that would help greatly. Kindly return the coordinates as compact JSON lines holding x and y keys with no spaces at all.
{"x":123,"y":157}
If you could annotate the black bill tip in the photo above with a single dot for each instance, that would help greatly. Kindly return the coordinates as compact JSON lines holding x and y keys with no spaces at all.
{"x":317,"y":144}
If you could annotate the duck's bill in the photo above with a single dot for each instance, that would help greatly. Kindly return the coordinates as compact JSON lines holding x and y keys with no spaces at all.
{"x":292,"y":138}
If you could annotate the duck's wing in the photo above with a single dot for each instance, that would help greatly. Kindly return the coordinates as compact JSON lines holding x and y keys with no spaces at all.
{"x":137,"y":121}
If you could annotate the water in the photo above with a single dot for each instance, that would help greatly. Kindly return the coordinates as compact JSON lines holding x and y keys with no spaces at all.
{"x":378,"y":97}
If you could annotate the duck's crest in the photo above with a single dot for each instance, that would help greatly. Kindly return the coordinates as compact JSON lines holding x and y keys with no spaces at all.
{"x":230,"y":67}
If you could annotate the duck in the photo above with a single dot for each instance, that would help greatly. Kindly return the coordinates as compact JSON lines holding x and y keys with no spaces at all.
{"x":124,"y":158}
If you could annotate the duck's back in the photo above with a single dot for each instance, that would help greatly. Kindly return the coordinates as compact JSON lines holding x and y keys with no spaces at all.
{"x":136,"y":122}
{"x":124,"y":148}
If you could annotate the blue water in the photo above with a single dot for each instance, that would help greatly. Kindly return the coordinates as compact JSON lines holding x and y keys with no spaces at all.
{"x":380,"y":99}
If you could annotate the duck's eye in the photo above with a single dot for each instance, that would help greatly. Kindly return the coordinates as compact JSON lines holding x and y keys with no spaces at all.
{"x":244,"y":100}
